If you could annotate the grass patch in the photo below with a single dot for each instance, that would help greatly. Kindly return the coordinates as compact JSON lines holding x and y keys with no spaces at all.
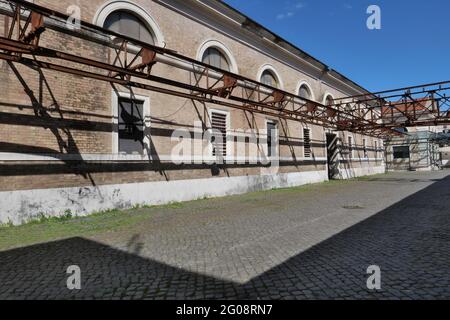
{"x":312,"y":186}
{"x":371,"y":178}
{"x":49,"y":229}
{"x":44,"y":229}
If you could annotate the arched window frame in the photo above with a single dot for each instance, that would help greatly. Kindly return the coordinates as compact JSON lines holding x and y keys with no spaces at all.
{"x":220,"y":47}
{"x":131,"y":25}
{"x":224,"y":61}
{"x":275,"y":73}
{"x":122,"y":5}
{"x":325,"y":98}
{"x":307,"y":85}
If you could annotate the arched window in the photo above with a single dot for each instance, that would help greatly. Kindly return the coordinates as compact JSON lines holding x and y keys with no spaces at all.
{"x":304,"y":92}
{"x":329,"y":101}
{"x":269,"y":79}
{"x":130,"y":25}
{"x":214,"y":57}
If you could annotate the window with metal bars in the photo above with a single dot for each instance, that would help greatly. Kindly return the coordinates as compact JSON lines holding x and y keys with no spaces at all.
{"x":131,"y":126}
{"x":219,"y":125}
{"x":307,"y":142}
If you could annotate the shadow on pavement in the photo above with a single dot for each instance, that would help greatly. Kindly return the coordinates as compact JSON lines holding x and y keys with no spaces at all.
{"x":410,"y":242}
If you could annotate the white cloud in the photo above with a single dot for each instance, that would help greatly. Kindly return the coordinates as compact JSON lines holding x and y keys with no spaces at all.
{"x":290,"y":10}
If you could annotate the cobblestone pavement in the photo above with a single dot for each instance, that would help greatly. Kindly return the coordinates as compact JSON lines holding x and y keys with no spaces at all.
{"x":297,"y":244}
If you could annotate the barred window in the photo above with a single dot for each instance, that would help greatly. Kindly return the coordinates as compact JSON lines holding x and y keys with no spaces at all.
{"x":131,"y":126}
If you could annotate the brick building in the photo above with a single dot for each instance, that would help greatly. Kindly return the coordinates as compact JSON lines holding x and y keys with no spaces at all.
{"x":68,"y":143}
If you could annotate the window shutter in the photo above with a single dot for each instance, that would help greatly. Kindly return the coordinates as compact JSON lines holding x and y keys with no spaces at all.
{"x":307,"y":142}
{"x":219,"y":125}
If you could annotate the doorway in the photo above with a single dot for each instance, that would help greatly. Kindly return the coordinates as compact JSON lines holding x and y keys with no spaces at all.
{"x":332,"y":155}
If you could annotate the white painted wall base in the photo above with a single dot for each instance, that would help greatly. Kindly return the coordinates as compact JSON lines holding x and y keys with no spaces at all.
{"x":19,"y":207}
{"x":350,"y":173}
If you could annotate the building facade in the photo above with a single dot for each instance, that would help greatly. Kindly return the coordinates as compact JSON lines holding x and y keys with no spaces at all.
{"x":418,"y":150}
{"x":71,"y":144}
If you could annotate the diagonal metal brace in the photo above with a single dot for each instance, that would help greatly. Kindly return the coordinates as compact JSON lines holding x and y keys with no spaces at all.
{"x":229,"y":84}
{"x":37,"y":28}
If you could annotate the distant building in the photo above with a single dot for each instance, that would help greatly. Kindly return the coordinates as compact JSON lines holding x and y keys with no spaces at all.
{"x":418,"y":149}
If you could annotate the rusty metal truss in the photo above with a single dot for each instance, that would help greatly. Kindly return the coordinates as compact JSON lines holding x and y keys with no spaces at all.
{"x":131,"y":63}
{"x":417,"y":106}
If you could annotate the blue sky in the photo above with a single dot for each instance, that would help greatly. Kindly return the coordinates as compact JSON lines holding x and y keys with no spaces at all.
{"x":413,"y":46}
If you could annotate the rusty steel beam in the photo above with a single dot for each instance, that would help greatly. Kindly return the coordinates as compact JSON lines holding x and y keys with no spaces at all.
{"x":421,"y":105}
{"x":391,"y":93}
{"x":228,"y":89}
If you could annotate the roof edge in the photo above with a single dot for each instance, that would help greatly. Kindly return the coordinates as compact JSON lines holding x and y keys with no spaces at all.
{"x":280,"y":41}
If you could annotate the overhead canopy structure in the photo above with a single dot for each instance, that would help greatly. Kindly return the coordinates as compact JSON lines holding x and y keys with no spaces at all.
{"x":424,"y":105}
{"x":132,"y":62}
